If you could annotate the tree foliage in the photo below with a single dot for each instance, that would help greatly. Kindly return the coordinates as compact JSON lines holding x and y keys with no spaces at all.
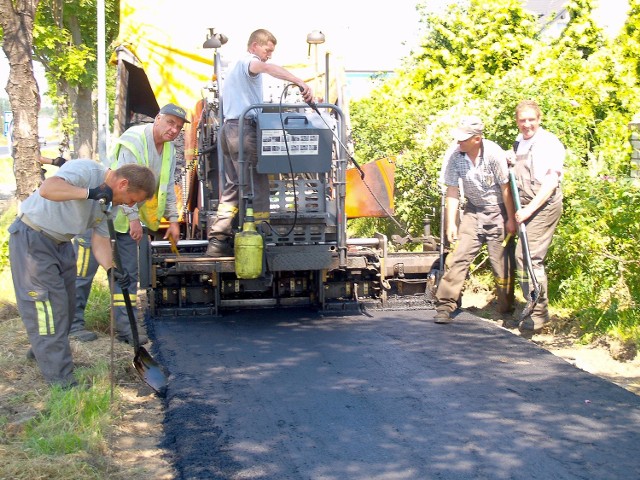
{"x":483,"y":58}
{"x":61,"y":34}
{"x":470,"y":46}
{"x":65,"y":42}
{"x":629,"y":39}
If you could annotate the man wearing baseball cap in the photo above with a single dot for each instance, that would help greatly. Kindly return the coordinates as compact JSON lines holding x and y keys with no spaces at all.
{"x":175,"y":110}
{"x":489,"y":216}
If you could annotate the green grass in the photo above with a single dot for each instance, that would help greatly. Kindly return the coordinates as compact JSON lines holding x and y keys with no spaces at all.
{"x":73,"y":420}
{"x":48,"y":432}
{"x":6,"y":165}
{"x":97,"y":315}
{"x":6,"y":170}
{"x":5,"y":220}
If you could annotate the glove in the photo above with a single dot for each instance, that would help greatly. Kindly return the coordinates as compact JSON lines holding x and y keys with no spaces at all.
{"x":123,"y":279}
{"x":103,"y":192}
{"x":58,"y":161}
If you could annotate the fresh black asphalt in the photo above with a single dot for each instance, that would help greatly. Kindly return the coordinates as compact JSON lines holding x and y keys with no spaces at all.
{"x":383,"y":395}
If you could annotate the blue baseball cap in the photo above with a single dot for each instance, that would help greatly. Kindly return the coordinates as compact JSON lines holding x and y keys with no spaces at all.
{"x":175,"y":110}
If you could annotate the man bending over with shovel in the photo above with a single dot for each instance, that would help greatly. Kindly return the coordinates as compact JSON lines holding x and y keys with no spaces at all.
{"x":43,"y":261}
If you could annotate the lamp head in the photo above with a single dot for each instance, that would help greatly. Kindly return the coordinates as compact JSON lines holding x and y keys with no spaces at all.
{"x":214,"y":40}
{"x":316,"y":37}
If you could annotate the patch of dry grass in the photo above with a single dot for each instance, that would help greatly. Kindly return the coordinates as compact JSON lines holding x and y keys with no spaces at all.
{"x":20,"y":465}
{"x":24,"y":396}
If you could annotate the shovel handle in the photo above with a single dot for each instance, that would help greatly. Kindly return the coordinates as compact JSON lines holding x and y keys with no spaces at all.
{"x":132,"y":320}
{"x":522,"y":232}
{"x":514,"y":189}
{"x":145,"y":365}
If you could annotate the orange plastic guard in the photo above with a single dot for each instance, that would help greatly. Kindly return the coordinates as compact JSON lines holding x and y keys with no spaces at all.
{"x":379,"y":178}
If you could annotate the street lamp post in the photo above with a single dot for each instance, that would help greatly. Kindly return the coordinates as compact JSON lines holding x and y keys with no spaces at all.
{"x":634,"y":126}
{"x":103,"y":114}
{"x":315,"y":38}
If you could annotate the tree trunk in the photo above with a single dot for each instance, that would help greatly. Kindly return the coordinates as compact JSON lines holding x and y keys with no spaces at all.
{"x":62,"y":108}
{"x":84,"y":141}
{"x":17,"y":21}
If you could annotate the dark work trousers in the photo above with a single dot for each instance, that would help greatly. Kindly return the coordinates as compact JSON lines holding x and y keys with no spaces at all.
{"x":87,"y":266}
{"x":44,"y":279}
{"x":128,"y":250}
{"x":479,"y":226}
{"x":254,"y":182}
{"x":540,"y":229}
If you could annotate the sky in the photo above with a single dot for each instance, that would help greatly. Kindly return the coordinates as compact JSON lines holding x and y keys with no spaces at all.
{"x":364,"y":35}
{"x":359,"y":32}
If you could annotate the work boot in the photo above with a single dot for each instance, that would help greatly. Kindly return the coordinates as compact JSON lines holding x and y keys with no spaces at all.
{"x":442,"y":317}
{"x":511,"y":323}
{"x":219,"y":248}
{"x":530,"y":325}
{"x":83,"y":335}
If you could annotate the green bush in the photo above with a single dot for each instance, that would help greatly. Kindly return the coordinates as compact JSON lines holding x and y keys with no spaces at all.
{"x":478,"y":60}
{"x":594,"y":266}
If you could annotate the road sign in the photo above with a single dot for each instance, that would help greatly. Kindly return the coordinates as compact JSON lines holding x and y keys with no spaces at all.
{"x":8,"y":116}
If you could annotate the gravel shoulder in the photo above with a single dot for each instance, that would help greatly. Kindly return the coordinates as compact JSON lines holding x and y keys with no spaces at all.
{"x":605,"y":358}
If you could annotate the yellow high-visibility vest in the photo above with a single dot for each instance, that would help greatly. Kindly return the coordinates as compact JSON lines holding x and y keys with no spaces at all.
{"x":151,"y":211}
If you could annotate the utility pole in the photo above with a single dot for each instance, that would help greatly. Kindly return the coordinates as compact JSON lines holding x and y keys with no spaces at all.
{"x":103,"y":116}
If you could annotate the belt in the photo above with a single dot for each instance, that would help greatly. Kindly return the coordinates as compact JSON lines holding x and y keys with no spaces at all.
{"x":24,"y":219}
{"x":246,"y":121}
{"x":471,"y":208}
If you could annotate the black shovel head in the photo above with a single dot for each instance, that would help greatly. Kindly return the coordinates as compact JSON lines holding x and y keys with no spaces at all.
{"x":150,"y":371}
{"x":534,"y":296}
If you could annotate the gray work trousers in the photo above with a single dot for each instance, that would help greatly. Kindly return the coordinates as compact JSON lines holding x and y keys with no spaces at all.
{"x":255,"y":183}
{"x":87,"y":266}
{"x":44,"y":279}
{"x":540,"y":229}
{"x":478,"y":227}
{"x":128,"y":249}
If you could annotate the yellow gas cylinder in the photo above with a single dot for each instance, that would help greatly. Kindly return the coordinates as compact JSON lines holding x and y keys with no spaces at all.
{"x":248,"y":249}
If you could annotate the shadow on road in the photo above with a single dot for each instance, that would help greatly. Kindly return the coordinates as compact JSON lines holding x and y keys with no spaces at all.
{"x":288,"y":394}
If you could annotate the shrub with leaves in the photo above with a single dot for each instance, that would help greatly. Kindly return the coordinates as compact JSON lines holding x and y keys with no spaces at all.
{"x":479,"y":58}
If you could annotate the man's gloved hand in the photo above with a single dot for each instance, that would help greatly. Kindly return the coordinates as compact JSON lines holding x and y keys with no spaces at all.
{"x":58,"y":161}
{"x":103,"y":192}
{"x":123,"y":279}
